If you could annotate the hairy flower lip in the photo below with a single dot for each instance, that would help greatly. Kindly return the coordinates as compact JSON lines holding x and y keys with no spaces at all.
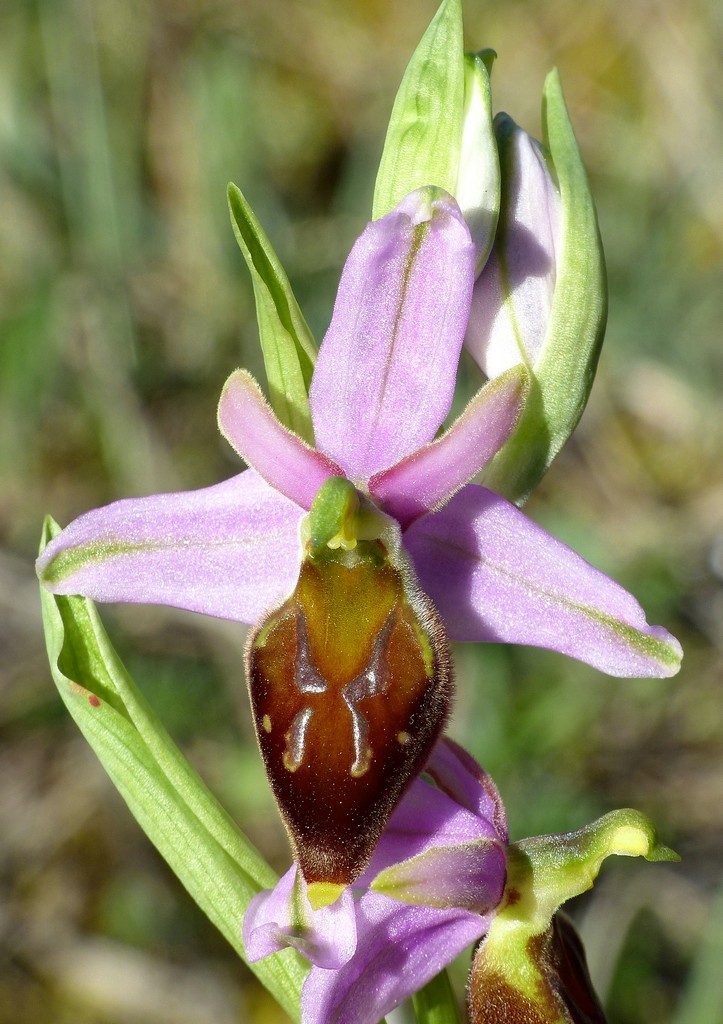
{"x":399,"y":942}
{"x":350,"y":682}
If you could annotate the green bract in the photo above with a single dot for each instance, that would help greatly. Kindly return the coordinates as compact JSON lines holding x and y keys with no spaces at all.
{"x":440,"y":132}
{"x":211,"y":856}
{"x":287,"y":343}
{"x":425,"y":130}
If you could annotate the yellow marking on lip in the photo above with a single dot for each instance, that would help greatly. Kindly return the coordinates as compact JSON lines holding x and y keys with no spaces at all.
{"x":323,"y":894}
{"x":361,"y":765}
{"x":403,"y":737}
{"x":266,"y":723}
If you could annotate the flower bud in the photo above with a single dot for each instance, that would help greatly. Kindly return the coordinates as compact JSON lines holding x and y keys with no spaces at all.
{"x":477,"y":189}
{"x":541,"y":298}
{"x":512,"y":300}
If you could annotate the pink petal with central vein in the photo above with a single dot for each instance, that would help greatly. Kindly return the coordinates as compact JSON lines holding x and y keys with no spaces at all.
{"x":495,"y":575}
{"x":431,"y":475}
{"x":386,"y":370}
{"x":231,"y":550}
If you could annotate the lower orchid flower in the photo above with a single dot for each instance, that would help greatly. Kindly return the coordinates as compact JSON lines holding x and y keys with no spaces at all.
{"x":429,"y":892}
{"x":356,"y":559}
{"x":444,"y":876}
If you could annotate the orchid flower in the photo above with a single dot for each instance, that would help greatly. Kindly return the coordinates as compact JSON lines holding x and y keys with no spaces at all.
{"x":443,"y":876}
{"x":385,"y":508}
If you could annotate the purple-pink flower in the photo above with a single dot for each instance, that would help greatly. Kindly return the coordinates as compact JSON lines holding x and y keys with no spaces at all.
{"x":381,"y":390}
{"x":429,"y":892}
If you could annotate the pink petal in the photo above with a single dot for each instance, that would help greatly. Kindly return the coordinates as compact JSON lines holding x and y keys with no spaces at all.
{"x":460,"y":777}
{"x":231,"y":550}
{"x":399,"y":949}
{"x":425,"y":818}
{"x":430,"y":476}
{"x":494,"y":575}
{"x":280,"y":917}
{"x":386,"y":370}
{"x":287,"y":463}
{"x":470,"y":875}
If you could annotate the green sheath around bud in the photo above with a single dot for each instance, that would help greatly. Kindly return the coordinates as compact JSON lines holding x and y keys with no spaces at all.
{"x":541,"y":298}
{"x":425,"y":129}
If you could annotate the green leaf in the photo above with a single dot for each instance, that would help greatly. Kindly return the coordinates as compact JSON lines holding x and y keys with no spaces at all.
{"x":212,"y":857}
{"x":287,"y":343}
{"x":424,"y":137}
{"x":565,"y":370}
{"x":579,"y":308}
{"x":435,"y":1002}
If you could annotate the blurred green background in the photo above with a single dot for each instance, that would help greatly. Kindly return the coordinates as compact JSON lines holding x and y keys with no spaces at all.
{"x":124,"y":303}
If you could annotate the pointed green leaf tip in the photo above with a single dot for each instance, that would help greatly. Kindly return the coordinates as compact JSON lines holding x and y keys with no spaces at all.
{"x":208,"y":852}
{"x":513,"y":966}
{"x":288,"y":346}
{"x":425,"y":130}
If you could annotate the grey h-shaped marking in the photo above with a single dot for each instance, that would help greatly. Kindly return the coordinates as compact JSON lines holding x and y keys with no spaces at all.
{"x":372,"y":680}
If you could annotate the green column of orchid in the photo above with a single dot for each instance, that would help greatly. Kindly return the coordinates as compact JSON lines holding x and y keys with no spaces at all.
{"x":530,"y":962}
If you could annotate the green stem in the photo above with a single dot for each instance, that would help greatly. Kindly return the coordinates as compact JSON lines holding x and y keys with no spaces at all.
{"x":435,"y":1003}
